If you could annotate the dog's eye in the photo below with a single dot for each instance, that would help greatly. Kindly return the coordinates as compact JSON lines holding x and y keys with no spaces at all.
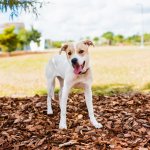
{"x":69,"y":53}
{"x":81,"y":51}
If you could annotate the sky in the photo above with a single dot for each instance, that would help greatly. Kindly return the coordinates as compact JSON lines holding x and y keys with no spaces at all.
{"x":76,"y":19}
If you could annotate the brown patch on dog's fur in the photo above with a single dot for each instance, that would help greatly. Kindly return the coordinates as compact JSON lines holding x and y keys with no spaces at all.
{"x":63,"y":48}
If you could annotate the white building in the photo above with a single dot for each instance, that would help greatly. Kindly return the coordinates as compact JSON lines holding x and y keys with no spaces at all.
{"x":34,"y":46}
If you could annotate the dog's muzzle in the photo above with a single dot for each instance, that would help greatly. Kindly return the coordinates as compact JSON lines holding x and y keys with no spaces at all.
{"x":74,"y":61}
{"x":77,"y":67}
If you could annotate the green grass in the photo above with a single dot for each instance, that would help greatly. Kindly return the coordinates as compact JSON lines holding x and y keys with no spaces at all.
{"x":146,"y":87}
{"x":115,"y":70}
{"x":98,"y":90}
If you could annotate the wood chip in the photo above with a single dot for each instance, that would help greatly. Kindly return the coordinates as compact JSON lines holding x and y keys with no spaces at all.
{"x":72,"y":142}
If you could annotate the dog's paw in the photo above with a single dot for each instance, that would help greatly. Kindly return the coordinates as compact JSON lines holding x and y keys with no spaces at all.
{"x":49,"y":111}
{"x":62,"y":126}
{"x":98,"y":125}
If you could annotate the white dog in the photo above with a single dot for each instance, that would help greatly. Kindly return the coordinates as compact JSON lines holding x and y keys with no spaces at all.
{"x":71,"y":70}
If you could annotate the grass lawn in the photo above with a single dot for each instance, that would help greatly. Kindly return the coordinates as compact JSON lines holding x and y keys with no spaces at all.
{"x":115,"y":69}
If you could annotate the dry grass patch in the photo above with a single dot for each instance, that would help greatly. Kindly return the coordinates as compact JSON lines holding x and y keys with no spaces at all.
{"x":129,"y":66}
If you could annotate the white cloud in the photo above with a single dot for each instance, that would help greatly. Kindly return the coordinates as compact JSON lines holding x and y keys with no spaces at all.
{"x":73,"y":19}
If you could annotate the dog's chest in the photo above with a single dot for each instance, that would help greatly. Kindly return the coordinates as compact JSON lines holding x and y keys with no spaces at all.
{"x":79,"y":85}
{"x":81,"y":80}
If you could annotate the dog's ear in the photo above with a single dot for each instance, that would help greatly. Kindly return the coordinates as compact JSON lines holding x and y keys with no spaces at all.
{"x":88,"y":42}
{"x":63,"y":48}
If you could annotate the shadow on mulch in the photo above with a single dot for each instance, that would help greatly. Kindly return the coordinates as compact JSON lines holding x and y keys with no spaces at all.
{"x":24,"y":123}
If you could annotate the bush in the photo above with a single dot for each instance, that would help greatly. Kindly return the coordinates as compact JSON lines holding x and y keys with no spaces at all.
{"x":57,"y":44}
{"x":8,"y":40}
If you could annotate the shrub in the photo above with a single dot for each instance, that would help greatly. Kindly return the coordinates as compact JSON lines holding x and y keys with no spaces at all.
{"x":8,"y":40}
{"x":57,"y":44}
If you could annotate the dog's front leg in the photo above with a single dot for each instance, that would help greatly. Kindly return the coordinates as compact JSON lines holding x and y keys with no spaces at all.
{"x":89,"y":103}
{"x":63,"y":106}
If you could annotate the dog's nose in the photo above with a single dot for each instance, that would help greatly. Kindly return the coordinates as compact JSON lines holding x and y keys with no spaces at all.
{"x":74,"y":60}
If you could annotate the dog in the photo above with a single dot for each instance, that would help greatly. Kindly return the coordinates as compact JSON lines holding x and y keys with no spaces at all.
{"x":72,"y":69}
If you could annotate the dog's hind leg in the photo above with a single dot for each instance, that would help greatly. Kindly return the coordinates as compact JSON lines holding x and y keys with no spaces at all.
{"x":50,"y":76}
{"x":50,"y":96}
{"x":61,"y":82}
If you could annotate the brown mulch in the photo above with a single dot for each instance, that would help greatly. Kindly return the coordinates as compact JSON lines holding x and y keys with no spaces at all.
{"x":24,"y":123}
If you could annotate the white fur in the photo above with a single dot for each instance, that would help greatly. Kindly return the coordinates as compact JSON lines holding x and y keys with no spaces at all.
{"x":60,"y":67}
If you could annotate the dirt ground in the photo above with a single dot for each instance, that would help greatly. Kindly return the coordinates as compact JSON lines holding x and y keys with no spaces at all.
{"x":24,"y":123}
{"x":21,"y":53}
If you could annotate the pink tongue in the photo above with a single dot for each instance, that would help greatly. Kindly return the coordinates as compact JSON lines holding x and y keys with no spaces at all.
{"x":77,"y":69}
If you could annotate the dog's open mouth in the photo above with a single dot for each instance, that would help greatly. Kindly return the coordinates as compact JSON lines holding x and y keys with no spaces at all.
{"x":78,"y":68}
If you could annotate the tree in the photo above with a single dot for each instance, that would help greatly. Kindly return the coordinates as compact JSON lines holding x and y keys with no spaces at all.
{"x":17,"y":6}
{"x":8,"y":40}
{"x":25,"y":37}
{"x":134,"y":39}
{"x":96,"y":39}
{"x":33,"y":35}
{"x":147,"y":37}
{"x":22,"y":38}
{"x":109,"y":36}
{"x":118,"y":38}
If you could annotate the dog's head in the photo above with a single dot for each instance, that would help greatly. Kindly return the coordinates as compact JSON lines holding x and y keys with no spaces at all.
{"x":77,"y":55}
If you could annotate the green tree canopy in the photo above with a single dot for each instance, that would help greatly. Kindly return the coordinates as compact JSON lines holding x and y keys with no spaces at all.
{"x":134,"y":39}
{"x":8,"y":40}
{"x":147,"y":37}
{"x":118,"y":38}
{"x":22,"y":38}
{"x":109,"y":36}
{"x":96,"y":39}
{"x":25,"y":37}
{"x":33,"y":35}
